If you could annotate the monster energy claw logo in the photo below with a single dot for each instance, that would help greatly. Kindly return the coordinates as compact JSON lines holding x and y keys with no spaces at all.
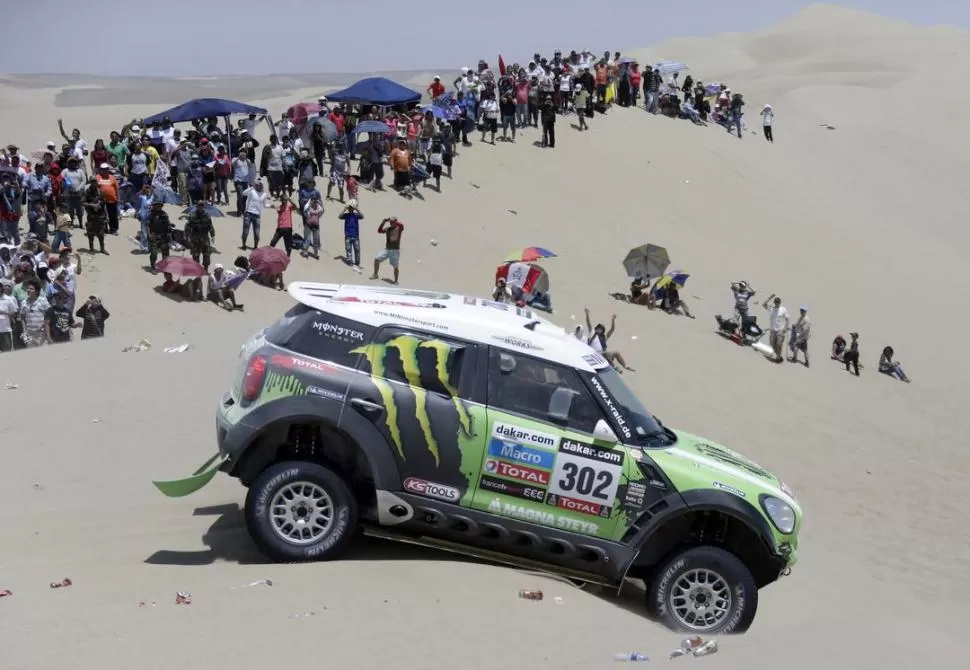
{"x":408,"y":348}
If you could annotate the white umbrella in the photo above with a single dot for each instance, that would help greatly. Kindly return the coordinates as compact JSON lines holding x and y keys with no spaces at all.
{"x":666,"y":67}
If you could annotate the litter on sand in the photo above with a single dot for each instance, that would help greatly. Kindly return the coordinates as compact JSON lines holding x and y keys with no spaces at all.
{"x":695,"y":646}
{"x":143,"y":345}
{"x":5,"y":592}
{"x":10,"y":386}
{"x":178,"y":349}
{"x":261,"y":582}
{"x":529,"y":594}
{"x":183,"y":598}
{"x":61,"y":584}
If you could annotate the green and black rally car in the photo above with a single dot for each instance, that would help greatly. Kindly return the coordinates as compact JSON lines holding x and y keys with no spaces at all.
{"x":480,"y":428}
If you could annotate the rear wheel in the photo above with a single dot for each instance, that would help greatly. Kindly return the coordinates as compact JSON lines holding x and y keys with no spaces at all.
{"x":300,"y":511}
{"x":704,"y":590}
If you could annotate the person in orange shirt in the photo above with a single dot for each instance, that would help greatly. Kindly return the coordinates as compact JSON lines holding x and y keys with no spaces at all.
{"x":601,"y":82}
{"x":109,"y":194}
{"x":401,"y":165}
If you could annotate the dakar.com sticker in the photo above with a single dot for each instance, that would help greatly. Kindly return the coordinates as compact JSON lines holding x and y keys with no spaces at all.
{"x":525,"y":436}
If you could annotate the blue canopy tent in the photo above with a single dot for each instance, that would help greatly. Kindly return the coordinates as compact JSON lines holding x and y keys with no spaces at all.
{"x":205,"y":108}
{"x":376,"y":91}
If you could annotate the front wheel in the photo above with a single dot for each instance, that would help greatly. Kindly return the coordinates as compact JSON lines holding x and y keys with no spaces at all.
{"x":704,"y":590}
{"x":300,"y":511}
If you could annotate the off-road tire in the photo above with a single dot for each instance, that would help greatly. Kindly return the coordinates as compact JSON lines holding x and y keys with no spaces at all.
{"x":331,"y":544}
{"x":744,"y":591}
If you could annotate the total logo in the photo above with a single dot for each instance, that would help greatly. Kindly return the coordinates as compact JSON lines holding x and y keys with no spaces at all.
{"x":423,"y":487}
{"x":519,"y":472}
{"x":290,"y":362}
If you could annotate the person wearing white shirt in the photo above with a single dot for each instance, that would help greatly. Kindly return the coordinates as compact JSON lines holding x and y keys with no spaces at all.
{"x":8,"y":312}
{"x":778,"y":324}
{"x":490,"y":114}
{"x":767,"y":120}
{"x":249,"y":125}
{"x":218,"y":289}
{"x":255,"y":203}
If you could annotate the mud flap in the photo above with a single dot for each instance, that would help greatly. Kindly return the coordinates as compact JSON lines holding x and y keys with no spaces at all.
{"x":177,"y":488}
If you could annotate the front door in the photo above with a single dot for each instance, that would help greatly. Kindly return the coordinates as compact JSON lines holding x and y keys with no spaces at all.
{"x":542,"y":463}
{"x":417,"y":388}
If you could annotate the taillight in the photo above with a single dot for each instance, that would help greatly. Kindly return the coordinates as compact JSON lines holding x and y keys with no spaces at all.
{"x":253,"y":381}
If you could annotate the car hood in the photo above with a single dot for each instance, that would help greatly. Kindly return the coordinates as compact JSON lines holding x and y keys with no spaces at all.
{"x":694,"y":462}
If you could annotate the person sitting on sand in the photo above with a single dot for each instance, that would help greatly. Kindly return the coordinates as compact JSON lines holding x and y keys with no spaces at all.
{"x":640,"y":292}
{"x":888,"y":366}
{"x":838,"y":348}
{"x":671,"y":302}
{"x":598,"y":341}
{"x":851,"y":356}
{"x":174,"y":286}
{"x":218,"y":290}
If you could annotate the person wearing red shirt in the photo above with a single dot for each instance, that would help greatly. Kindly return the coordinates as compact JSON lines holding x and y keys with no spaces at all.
{"x":284,"y":225}
{"x":108,"y":186}
{"x":436,"y":88}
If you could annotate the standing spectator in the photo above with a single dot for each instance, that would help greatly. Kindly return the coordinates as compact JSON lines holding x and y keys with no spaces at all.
{"x":778,"y":324}
{"x":392,"y":230}
{"x":73,"y":182}
{"x":851,"y":355}
{"x":9,"y":309}
{"x":284,"y":225}
{"x":110,"y":194}
{"x":351,"y":216}
{"x":255,"y":202}
{"x":312,"y":213}
{"x":243,"y":177}
{"x":93,"y":315}
{"x":33,"y":314}
{"x":767,"y":120}
{"x":271,"y":166}
{"x":801,"y":331}
{"x":401,"y":165}
{"x":548,"y":124}
{"x":59,"y":320}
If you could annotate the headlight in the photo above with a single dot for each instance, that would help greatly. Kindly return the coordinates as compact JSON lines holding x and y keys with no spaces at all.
{"x":780,"y":513}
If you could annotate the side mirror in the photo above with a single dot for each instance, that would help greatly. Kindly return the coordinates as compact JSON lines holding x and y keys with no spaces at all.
{"x":603,"y":432}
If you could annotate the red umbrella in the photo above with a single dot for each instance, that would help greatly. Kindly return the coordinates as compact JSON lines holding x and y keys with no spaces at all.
{"x":269,"y":260}
{"x":181,"y":266}
{"x":301,"y":111}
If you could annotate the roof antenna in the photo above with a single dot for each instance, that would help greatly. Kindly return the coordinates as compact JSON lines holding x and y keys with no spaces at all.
{"x":532,"y":325}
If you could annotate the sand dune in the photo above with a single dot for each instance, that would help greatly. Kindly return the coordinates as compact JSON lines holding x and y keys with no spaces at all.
{"x":864,"y":223}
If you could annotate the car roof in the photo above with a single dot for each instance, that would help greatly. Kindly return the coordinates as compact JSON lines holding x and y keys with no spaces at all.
{"x":461,"y":316}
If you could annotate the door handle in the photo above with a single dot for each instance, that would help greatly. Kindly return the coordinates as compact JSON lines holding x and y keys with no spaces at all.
{"x":367,"y":406}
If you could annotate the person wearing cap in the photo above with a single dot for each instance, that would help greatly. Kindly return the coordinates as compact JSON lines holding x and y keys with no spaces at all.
{"x":392,"y":229}
{"x":435,"y":88}
{"x":110,"y":194}
{"x":767,"y":119}
{"x":778,"y":325}
{"x":548,"y":115}
{"x":159,"y":235}
{"x":581,"y":103}
{"x":801,"y":331}
{"x":219,"y":291}
{"x":59,"y":319}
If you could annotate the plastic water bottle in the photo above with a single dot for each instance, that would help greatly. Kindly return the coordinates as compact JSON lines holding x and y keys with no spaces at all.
{"x":631,"y":656}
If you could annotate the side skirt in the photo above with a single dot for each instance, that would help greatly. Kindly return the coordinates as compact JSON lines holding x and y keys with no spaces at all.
{"x":417,"y":520}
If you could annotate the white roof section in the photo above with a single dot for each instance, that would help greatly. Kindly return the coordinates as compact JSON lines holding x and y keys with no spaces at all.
{"x":460,"y":316}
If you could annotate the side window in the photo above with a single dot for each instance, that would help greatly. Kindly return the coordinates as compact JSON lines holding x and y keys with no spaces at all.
{"x":328,"y":337}
{"x":540,"y":390}
{"x":423,"y":360}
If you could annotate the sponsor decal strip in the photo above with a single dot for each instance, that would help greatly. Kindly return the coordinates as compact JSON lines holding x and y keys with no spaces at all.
{"x":519,"y":472}
{"x":587,"y":472}
{"x":497,"y":506}
{"x":534,"y":458}
{"x":423,"y":487}
{"x":507,"y":488}
{"x":532,"y":438}
{"x":611,"y":406}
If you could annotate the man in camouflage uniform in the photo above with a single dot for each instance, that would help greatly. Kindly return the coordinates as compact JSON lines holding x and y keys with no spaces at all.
{"x":97,"y":215}
{"x":201,"y":234}
{"x":159,"y":234}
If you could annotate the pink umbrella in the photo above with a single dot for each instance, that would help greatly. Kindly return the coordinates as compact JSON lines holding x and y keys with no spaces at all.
{"x":181,"y":266}
{"x":269,"y":260}
{"x":301,"y":111}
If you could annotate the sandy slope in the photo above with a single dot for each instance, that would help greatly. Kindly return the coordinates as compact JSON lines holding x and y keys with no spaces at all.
{"x":849,"y":221}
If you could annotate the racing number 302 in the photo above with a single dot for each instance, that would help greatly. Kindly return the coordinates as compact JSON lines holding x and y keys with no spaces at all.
{"x":586,"y":480}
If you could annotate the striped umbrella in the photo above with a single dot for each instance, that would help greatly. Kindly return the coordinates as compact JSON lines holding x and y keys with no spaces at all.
{"x":529,"y":254}
{"x":678,"y":277}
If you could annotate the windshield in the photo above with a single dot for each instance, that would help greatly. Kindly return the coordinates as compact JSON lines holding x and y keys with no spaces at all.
{"x":637,"y":425}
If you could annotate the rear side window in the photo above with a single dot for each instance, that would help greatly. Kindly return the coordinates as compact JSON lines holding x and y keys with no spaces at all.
{"x":436,"y":364}
{"x":313,"y":333}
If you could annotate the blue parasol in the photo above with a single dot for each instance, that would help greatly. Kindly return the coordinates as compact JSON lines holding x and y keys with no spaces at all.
{"x":211,"y":210}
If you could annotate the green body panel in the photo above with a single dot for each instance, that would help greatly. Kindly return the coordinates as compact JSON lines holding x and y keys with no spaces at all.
{"x":696,"y":463}
{"x":178,"y":488}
